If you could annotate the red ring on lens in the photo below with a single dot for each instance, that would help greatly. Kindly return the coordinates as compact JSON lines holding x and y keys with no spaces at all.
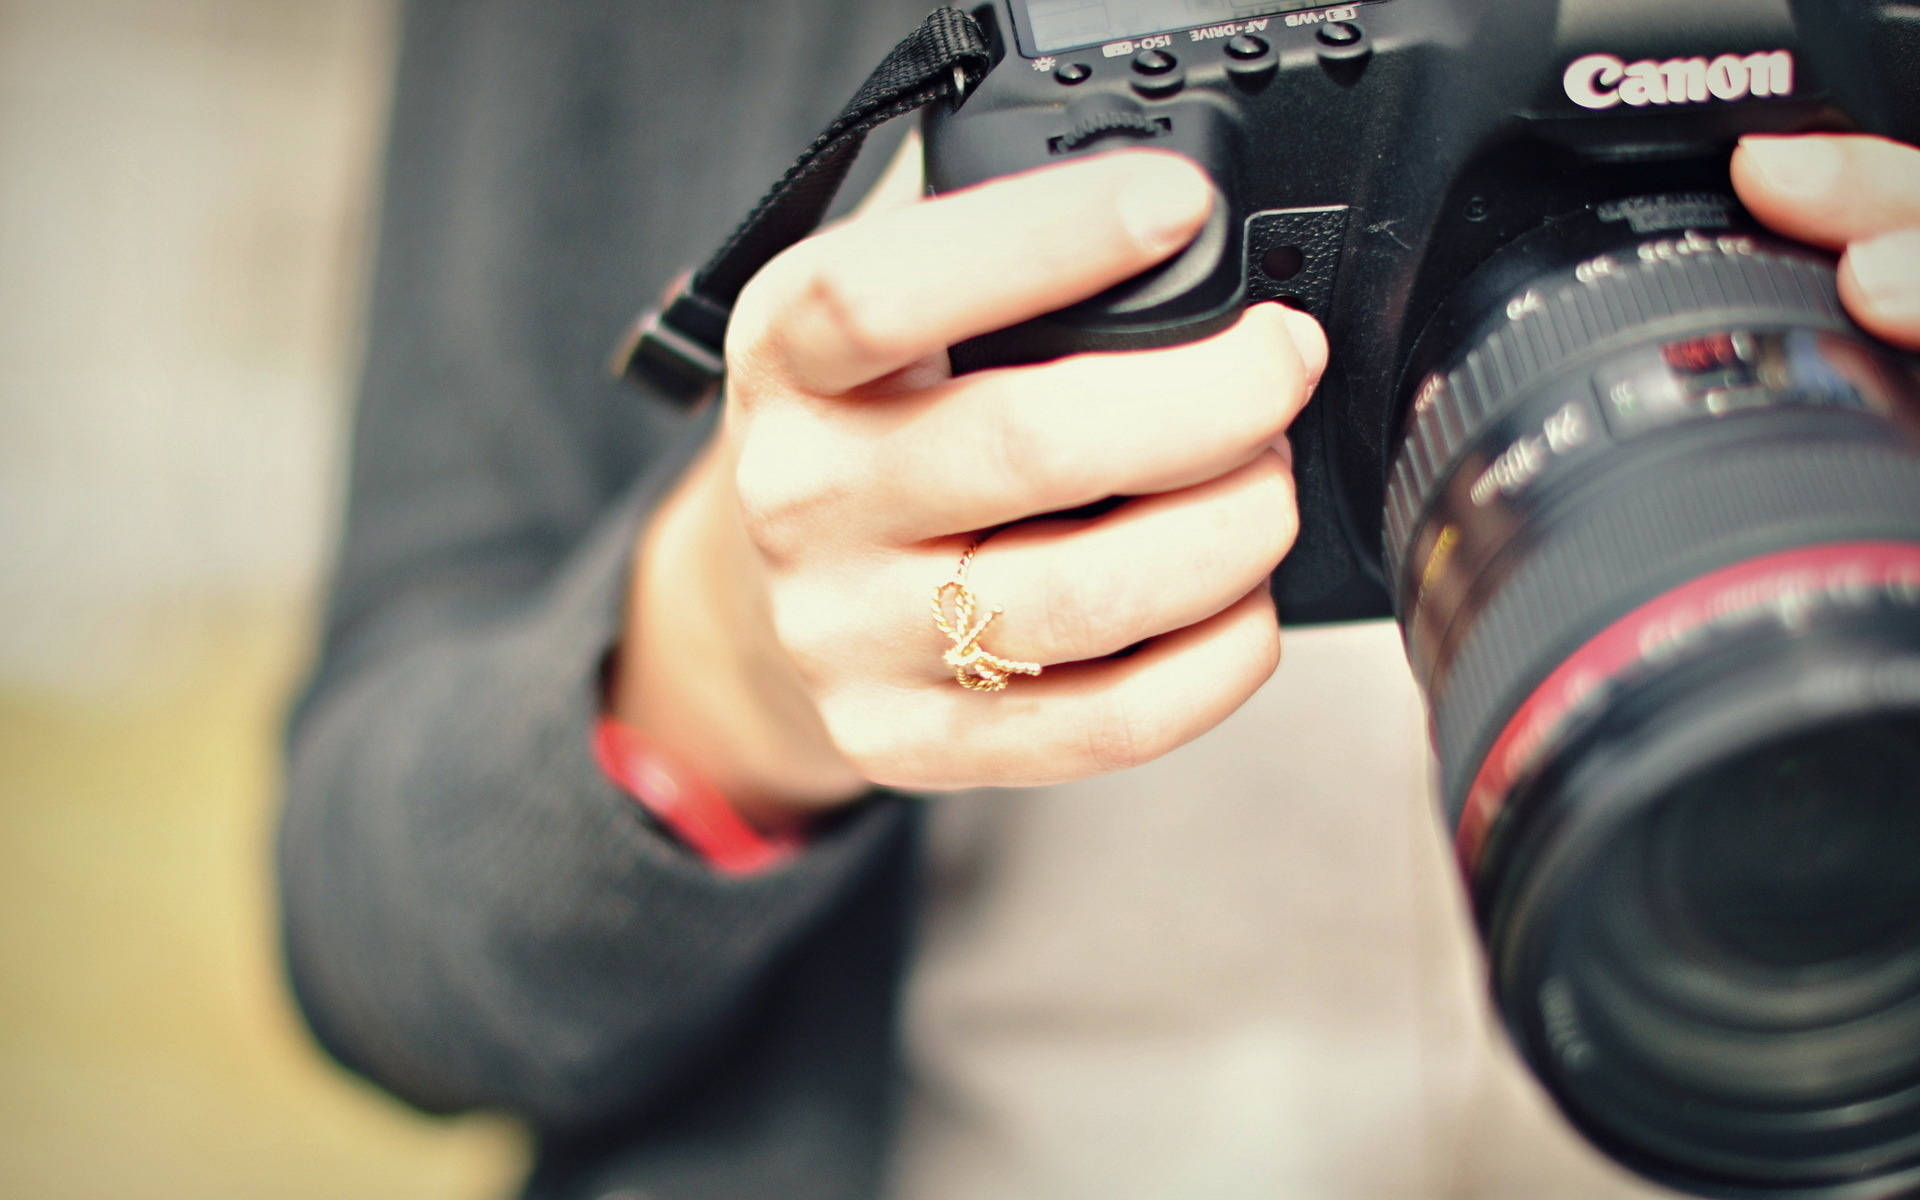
{"x":1659,"y":630}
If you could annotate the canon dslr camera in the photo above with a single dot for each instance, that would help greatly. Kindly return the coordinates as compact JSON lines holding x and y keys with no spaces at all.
{"x":1645,"y":503}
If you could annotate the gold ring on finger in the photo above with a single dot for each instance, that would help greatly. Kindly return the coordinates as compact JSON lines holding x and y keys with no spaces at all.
{"x":958,"y":614}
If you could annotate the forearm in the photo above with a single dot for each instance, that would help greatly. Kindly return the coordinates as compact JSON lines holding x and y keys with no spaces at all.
{"x":475,"y":917}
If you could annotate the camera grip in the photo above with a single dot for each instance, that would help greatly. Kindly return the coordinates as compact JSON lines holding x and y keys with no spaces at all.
{"x":1154,"y":308}
{"x":1196,"y":292}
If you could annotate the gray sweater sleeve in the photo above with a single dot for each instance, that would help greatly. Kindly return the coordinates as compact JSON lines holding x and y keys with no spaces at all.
{"x":473,"y":916}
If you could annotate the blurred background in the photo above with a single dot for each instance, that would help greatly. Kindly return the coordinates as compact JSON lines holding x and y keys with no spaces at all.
{"x":185,"y":202}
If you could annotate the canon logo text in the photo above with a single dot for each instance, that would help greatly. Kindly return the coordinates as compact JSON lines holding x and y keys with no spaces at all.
{"x":1601,"y":81}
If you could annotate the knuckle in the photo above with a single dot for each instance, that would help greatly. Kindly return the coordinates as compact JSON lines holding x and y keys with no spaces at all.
{"x":1034,"y":456}
{"x":804,"y":624}
{"x":870,"y":741}
{"x":868,"y":330}
{"x":766,"y":514}
{"x":781,"y":498}
{"x":751,"y":327}
{"x":751,"y":381}
{"x":842,"y":721}
{"x":794,"y":636}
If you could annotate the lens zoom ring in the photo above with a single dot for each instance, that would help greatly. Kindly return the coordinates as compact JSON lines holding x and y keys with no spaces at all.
{"x":1641,"y":532}
{"x":1543,"y":331}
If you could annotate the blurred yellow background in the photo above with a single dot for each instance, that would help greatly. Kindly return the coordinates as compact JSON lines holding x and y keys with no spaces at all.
{"x":185,"y":197}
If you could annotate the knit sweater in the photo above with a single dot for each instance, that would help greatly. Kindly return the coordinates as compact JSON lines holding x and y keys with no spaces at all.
{"x":474,"y":917}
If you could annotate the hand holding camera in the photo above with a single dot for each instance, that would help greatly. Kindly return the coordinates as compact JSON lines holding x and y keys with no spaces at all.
{"x":853,"y":471}
{"x":1642,"y":496}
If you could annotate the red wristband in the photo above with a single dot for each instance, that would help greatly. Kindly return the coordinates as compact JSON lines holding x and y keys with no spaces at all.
{"x":690,"y":807}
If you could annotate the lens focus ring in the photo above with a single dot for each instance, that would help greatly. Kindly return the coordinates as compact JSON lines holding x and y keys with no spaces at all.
{"x":1600,"y":302}
{"x":1654,"y":538}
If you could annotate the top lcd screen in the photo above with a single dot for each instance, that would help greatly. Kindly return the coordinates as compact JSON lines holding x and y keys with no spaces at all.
{"x":1066,"y":24}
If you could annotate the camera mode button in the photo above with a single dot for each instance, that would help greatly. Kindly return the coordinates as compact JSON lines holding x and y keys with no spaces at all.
{"x":1156,"y":73}
{"x":1344,"y":42}
{"x":1246,"y":46}
{"x":1154,"y":62}
{"x":1250,"y":59}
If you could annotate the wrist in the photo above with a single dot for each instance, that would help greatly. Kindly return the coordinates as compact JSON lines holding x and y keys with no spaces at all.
{"x":699,"y":672}
{"x":686,"y":805}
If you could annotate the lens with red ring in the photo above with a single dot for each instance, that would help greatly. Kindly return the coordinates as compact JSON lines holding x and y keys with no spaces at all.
{"x":1654,"y":528}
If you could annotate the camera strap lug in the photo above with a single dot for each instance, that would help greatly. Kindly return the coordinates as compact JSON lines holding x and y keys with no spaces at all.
{"x":678,"y":347}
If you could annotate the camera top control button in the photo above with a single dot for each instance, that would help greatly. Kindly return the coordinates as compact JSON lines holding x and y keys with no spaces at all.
{"x":1246,"y":46}
{"x":1154,"y":62}
{"x":1155,"y":87}
{"x":1344,"y":42}
{"x":1072,"y":73}
{"x":1250,"y":59}
{"x":1157,"y":73}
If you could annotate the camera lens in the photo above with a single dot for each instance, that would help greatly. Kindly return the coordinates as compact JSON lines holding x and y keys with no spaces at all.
{"x":1850,"y":886}
{"x":1729,"y":990}
{"x":1654,"y":531}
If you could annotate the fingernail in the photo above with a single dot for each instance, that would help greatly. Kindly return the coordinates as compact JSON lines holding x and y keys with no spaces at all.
{"x":1163,"y":201}
{"x":1886,"y":274}
{"x":1804,"y":168}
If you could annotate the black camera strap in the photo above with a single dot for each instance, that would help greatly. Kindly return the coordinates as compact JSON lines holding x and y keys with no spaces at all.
{"x":677,"y":347}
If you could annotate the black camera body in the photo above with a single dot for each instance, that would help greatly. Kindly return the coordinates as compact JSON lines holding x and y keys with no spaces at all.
{"x":1645,"y":502}
{"x":1369,"y":157}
